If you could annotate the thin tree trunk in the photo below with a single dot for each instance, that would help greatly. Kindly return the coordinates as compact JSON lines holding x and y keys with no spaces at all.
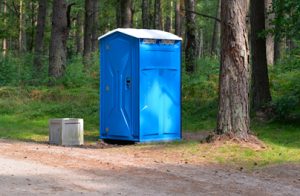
{"x":216,"y":33}
{"x":118,"y":14}
{"x":132,"y":14}
{"x":269,"y":37}
{"x":201,"y":43}
{"x":4,"y":44}
{"x":157,"y":15}
{"x":168,"y":18}
{"x":126,"y":13}
{"x":151,"y":13}
{"x":145,"y":14}
{"x":278,"y":40}
{"x":260,"y":85}
{"x":79,"y":33}
{"x":177,"y":18}
{"x":58,"y":42}
{"x":39,"y":36}
{"x":88,"y":28}
{"x":32,"y":6}
{"x":191,"y":40}
{"x":233,"y":114}
{"x":95,"y":25}
{"x":279,"y":48}
{"x":22,"y":33}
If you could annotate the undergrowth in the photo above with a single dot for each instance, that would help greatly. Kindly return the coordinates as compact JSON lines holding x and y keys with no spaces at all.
{"x":26,"y":105}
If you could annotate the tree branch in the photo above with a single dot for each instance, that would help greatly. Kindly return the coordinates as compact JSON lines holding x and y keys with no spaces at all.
{"x":203,"y":15}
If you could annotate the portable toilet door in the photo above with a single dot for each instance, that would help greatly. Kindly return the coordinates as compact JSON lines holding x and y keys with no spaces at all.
{"x":117,"y":87}
{"x":140,"y":85}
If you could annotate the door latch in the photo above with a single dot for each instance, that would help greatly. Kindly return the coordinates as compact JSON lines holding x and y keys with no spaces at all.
{"x":128,"y":82}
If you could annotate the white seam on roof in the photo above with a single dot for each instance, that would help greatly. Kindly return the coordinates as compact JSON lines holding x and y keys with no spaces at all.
{"x":144,"y":34}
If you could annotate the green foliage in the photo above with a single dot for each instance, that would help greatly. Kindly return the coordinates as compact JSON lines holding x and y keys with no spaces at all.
{"x":285,"y":86}
{"x":77,"y":75}
{"x":15,"y":70}
{"x":287,"y":18}
{"x":199,"y":95}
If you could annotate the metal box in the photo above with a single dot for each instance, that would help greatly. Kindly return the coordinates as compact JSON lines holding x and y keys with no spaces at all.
{"x":140,"y":85}
{"x":66,"y":131}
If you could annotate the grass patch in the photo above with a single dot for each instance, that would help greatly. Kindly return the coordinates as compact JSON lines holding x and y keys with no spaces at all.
{"x":282,"y":146}
{"x":25,"y":112}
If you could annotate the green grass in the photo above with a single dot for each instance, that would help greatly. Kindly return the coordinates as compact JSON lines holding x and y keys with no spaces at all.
{"x":282,"y":145}
{"x":14,"y":127}
{"x":25,"y":111}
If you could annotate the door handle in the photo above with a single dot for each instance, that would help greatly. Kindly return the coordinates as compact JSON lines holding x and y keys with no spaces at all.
{"x":128,"y":82}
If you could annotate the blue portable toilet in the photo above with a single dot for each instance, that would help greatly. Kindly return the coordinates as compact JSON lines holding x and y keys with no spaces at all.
{"x":140,"y":85}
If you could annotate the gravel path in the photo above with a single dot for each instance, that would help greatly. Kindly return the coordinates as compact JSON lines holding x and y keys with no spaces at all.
{"x":39,"y":169}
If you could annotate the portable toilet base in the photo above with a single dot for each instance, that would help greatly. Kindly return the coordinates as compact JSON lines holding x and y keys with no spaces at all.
{"x":140,"y":85}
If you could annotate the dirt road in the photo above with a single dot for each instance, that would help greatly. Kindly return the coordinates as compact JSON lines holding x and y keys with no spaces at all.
{"x":35,"y":169}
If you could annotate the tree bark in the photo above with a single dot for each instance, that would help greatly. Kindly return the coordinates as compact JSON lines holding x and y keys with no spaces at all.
{"x":126,"y":13}
{"x":269,"y":38}
{"x":88,"y":28}
{"x":95,"y":25}
{"x":191,"y":34}
{"x":216,"y":33}
{"x":58,"y":42}
{"x":145,"y":14}
{"x":260,"y":80}
{"x":233,"y":113}
{"x":39,"y":36}
{"x":157,"y":15}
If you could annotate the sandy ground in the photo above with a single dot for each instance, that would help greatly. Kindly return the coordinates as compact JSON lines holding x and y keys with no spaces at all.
{"x":40,"y":169}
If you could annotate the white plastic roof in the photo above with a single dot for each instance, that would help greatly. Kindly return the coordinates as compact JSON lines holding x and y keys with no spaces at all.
{"x":144,"y":34}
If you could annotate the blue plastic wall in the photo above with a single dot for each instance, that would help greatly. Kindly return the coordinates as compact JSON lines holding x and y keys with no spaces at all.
{"x":139,"y":89}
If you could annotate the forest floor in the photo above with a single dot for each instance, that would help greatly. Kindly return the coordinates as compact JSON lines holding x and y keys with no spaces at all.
{"x":29,"y":168}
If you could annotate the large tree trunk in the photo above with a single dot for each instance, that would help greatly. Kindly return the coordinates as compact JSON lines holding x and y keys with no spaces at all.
{"x":260,"y":85}
{"x":126,"y":13}
{"x":39,"y":36}
{"x":58,"y":43}
{"x":95,"y":25}
{"x":191,"y":34}
{"x":145,"y":14}
{"x":216,"y":33}
{"x":233,"y":114}
{"x":157,"y":15}
{"x":88,"y":28}
{"x":22,"y":33}
{"x":269,"y":37}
